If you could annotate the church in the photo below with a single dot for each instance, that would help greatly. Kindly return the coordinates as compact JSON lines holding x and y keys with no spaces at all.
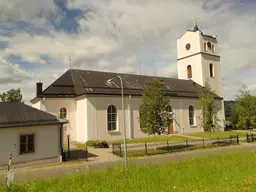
{"x":91,"y":101}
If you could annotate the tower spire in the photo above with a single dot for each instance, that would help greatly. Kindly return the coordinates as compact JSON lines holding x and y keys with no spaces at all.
{"x":195,"y":23}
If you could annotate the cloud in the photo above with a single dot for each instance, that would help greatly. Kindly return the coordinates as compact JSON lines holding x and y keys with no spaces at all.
{"x":128,"y":36}
{"x":12,"y":73}
{"x":29,"y":10}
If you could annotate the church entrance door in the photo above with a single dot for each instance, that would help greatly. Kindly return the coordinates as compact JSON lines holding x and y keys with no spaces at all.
{"x":170,"y":128}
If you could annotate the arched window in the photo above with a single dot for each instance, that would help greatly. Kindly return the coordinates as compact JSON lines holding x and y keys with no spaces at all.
{"x":189,"y":71}
{"x":191,"y":115}
{"x":205,"y":47}
{"x":111,"y":116}
{"x":63,"y":113}
{"x":211,"y":70}
{"x":213,"y":48}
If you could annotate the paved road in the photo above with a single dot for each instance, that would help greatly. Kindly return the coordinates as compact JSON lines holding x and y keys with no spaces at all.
{"x":68,"y":169}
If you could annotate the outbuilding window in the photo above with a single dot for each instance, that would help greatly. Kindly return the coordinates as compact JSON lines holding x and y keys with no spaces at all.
{"x":27,"y":143}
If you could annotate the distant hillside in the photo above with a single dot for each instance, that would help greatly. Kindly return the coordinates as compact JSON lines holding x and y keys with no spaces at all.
{"x":228,"y":108}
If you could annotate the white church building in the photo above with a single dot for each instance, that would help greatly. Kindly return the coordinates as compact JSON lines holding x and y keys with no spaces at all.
{"x":93,"y":106}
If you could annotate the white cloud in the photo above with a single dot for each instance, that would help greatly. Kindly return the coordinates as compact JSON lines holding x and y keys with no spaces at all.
{"x":29,"y":10}
{"x":125,"y":36}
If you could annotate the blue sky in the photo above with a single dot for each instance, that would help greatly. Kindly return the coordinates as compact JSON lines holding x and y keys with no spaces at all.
{"x":37,"y":38}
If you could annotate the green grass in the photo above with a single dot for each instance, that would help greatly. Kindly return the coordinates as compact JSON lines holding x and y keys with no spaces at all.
{"x":151,"y":139}
{"x":223,"y":134}
{"x":172,"y":149}
{"x":141,"y":140}
{"x":232,"y":172}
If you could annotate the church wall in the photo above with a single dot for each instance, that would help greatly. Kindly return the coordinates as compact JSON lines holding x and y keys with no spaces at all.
{"x":197,"y":72}
{"x":184,"y":116}
{"x":53,"y":106}
{"x":81,"y":119}
{"x":214,"y":81}
{"x":97,"y":121}
{"x":193,"y":38}
{"x":37,"y":105}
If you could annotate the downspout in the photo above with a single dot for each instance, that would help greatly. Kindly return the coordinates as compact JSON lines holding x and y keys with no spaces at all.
{"x":181,"y":118}
{"x":95,"y":119}
{"x":129,"y":117}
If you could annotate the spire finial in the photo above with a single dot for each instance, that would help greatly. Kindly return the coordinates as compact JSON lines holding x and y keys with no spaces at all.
{"x":195,"y":20}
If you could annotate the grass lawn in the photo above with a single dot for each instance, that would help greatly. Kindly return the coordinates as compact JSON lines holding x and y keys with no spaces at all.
{"x":232,"y":172}
{"x":222,"y":134}
{"x":151,"y":139}
{"x":143,"y":140}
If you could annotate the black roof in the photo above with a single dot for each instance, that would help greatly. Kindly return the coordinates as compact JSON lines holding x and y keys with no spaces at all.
{"x":16,"y":114}
{"x":76,"y":82}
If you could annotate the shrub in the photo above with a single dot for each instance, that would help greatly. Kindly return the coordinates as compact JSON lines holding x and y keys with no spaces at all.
{"x":97,"y":144}
{"x":90,"y":143}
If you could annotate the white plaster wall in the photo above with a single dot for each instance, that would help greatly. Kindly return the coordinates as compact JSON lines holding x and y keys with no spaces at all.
{"x":200,"y":62}
{"x":81,"y":119}
{"x":37,"y":105}
{"x":47,"y":143}
{"x":93,"y":119}
{"x":196,"y":65}
{"x":97,"y":117}
{"x":53,"y":106}
{"x":193,"y":38}
{"x":215,"y":81}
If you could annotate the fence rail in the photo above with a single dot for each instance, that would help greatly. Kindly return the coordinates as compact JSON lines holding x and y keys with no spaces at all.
{"x":169,"y":147}
{"x":250,"y":137}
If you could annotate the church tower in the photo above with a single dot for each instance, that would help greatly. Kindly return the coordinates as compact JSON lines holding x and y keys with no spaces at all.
{"x":198,"y":58}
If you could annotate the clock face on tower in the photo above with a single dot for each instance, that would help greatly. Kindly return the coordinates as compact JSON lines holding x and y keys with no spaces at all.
{"x":188,"y":46}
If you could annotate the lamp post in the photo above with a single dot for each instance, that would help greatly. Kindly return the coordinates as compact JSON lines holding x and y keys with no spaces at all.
{"x":122,"y":92}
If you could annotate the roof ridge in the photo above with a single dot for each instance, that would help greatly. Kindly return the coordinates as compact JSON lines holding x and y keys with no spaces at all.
{"x":127,"y":74}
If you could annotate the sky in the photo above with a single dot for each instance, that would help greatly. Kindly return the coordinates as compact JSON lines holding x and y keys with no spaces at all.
{"x":37,"y":38}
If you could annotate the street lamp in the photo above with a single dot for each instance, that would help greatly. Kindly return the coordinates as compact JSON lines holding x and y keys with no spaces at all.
{"x":122,"y":91}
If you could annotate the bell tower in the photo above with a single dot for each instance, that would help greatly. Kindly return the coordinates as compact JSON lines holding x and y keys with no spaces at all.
{"x":198,"y":58}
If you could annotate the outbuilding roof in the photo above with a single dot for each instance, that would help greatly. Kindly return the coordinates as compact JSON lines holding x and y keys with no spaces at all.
{"x":16,"y":114}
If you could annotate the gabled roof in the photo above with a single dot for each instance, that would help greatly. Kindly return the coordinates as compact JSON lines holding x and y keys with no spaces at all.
{"x":76,"y":82}
{"x":16,"y":114}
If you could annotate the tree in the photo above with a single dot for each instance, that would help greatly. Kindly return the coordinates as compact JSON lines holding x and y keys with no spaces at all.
{"x":244,"y":111}
{"x":209,"y":110}
{"x":155,"y":110}
{"x":13,"y":95}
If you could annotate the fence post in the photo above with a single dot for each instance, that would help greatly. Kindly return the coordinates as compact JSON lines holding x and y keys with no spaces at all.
{"x":120,"y":150}
{"x":237,"y":139}
{"x":86,"y":153}
{"x":246,"y":137}
{"x":186,"y":144}
{"x":167,"y":146}
{"x":218,"y":140}
{"x":203,"y":142}
{"x":146,"y":151}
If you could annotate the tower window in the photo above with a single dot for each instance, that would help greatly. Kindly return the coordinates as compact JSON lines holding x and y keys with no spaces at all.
{"x":209,"y":45}
{"x":189,"y":71}
{"x":213,"y":48}
{"x":205,"y":47}
{"x":211,"y":70}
